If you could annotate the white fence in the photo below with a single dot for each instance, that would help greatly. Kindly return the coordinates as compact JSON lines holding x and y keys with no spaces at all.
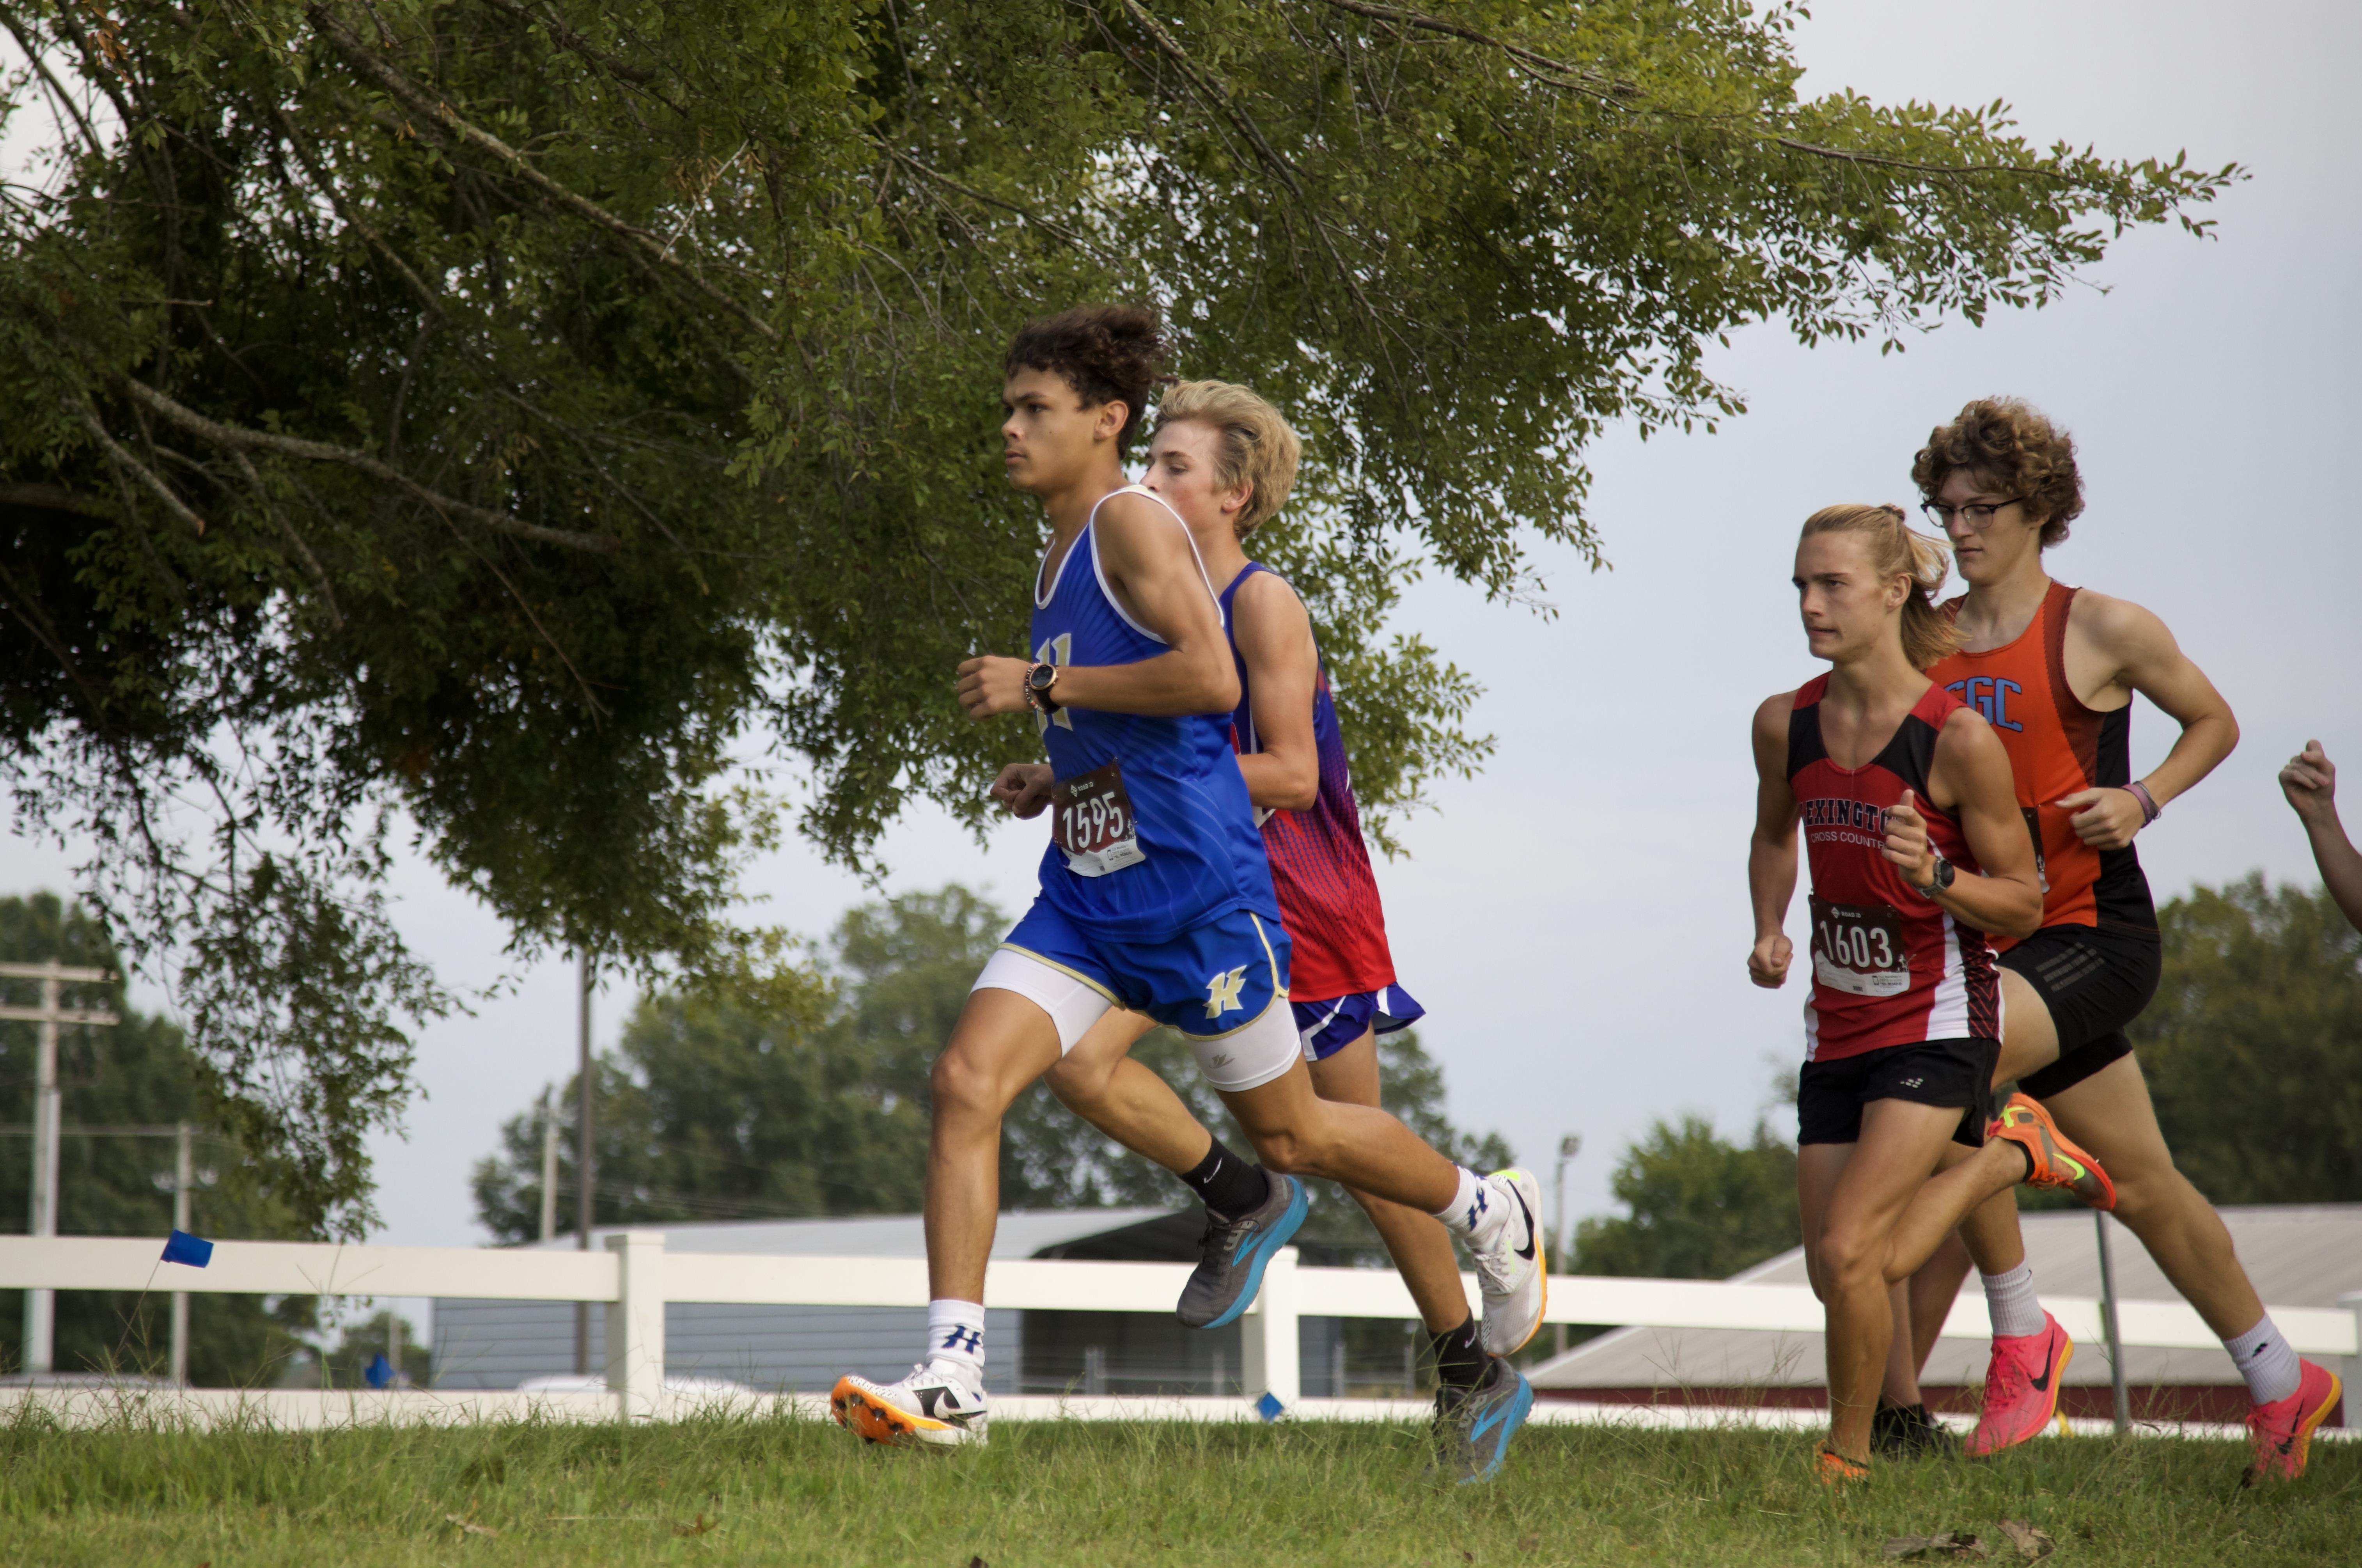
{"x":635,"y":1276}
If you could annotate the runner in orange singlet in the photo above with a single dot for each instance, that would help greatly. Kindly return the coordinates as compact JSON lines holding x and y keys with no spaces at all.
{"x":2053,"y":671}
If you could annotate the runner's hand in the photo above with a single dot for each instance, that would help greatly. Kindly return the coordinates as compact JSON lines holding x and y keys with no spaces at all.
{"x":1768,"y":965}
{"x":1025,"y":788}
{"x":2309,"y":782}
{"x":992,"y":685}
{"x":1906,"y":842}
{"x":2105,"y":819}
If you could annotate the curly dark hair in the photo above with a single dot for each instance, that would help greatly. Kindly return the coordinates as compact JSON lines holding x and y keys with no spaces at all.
{"x":1106,"y":353}
{"x":2011,"y":443}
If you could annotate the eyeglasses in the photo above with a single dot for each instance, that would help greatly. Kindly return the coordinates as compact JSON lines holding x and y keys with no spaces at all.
{"x":1977,"y":515}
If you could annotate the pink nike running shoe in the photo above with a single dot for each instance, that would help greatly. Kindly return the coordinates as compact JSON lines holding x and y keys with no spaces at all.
{"x":2021,"y":1387}
{"x":2281,"y":1431}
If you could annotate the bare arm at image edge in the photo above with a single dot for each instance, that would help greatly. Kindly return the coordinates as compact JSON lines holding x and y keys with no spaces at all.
{"x":2309,"y":782}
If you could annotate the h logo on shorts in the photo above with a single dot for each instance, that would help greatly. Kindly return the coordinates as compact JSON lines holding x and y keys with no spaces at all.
{"x":968,"y":1340}
{"x":1222,"y":992}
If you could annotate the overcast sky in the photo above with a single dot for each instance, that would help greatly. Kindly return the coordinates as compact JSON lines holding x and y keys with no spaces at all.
{"x":1575,"y":919}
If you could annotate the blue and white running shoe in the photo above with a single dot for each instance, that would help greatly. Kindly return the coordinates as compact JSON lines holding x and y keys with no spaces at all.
{"x":1234,"y":1253}
{"x":1473,"y":1426}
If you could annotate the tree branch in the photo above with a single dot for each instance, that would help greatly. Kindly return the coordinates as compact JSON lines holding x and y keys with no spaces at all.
{"x":365,"y":60}
{"x":150,"y":480}
{"x":55,"y":497}
{"x":237,"y":438}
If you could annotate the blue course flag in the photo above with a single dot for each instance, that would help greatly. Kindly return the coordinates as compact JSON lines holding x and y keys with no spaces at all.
{"x":1269,"y":1407}
{"x":380,"y":1372}
{"x":182,"y":1247}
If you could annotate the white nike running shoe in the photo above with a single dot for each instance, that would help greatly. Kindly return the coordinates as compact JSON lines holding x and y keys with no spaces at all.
{"x":935,"y":1407}
{"x":1511,"y":1266}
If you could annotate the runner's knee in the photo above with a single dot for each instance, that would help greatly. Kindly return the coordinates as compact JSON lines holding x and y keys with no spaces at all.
{"x":960,"y":1083}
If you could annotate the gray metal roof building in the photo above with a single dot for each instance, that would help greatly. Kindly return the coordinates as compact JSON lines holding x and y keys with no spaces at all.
{"x":2299,"y":1256}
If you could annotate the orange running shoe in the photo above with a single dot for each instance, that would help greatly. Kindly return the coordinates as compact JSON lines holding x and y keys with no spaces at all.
{"x":2055,"y":1162}
{"x":1836,"y":1471}
{"x":2281,"y":1431}
{"x":2022,"y":1387}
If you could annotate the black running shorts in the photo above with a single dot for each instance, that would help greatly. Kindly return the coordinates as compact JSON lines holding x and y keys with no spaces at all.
{"x":2094,"y":979}
{"x":1830,"y":1095}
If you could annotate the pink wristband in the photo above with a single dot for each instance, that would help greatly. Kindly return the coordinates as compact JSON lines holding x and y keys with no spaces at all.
{"x":2150,"y":809}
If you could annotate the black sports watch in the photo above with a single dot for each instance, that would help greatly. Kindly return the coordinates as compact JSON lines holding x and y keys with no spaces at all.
{"x":1039,"y":678}
{"x":1945,"y":872}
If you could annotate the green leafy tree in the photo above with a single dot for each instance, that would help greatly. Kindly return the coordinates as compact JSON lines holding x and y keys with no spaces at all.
{"x":491,"y":412}
{"x":2253,"y":1045}
{"x":814,"y":1102}
{"x":1701,"y":1207}
{"x":122,"y":1087}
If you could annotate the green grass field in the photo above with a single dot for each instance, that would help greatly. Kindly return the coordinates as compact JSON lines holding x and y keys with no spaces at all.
{"x":763,"y":1492}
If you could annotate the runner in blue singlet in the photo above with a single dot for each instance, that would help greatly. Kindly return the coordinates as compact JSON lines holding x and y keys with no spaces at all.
{"x":1155,"y":893}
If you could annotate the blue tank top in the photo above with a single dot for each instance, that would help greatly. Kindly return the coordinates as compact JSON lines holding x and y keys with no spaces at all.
{"x":1158,"y":835}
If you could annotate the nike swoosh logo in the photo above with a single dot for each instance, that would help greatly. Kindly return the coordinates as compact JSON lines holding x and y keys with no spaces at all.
{"x":2042,"y":1383}
{"x":1526,"y":1251}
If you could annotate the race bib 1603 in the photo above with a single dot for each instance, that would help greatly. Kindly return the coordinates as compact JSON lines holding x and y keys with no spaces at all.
{"x":1091,"y":820}
{"x":1858,"y":949}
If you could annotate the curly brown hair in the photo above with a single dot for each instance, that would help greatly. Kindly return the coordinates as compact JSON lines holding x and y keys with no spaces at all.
{"x":1106,"y":353}
{"x":2011,"y":443}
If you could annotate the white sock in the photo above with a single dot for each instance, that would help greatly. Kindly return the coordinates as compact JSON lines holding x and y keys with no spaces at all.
{"x":1475,"y":1210}
{"x":2011,"y":1303}
{"x":955,"y":1336}
{"x":2267,"y":1361}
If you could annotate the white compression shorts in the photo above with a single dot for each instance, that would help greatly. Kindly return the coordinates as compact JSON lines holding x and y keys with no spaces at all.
{"x":1247,"y":1057}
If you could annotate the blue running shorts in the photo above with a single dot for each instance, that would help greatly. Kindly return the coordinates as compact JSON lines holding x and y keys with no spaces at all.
{"x":1328,"y":1027}
{"x":1217,"y":982}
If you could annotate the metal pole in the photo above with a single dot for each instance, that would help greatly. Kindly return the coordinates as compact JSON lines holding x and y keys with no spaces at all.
{"x":2108,"y":1324}
{"x":1568,"y":1148}
{"x":582,"y":1163}
{"x":41,"y":1305}
{"x":185,"y":1181}
{"x":548,"y":1163}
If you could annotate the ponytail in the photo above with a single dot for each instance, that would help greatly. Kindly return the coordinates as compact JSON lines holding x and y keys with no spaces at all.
{"x":1929,"y":634}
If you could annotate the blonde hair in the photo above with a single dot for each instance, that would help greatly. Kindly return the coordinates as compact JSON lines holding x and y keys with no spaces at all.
{"x":1255,"y":448}
{"x":1929,"y":634}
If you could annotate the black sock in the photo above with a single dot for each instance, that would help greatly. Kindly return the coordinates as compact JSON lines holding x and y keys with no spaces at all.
{"x":1227,"y":1185}
{"x":1459,"y":1359}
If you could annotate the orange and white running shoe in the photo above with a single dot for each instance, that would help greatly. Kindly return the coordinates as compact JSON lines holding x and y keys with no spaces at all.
{"x":1836,"y":1471}
{"x":2021,"y":1387}
{"x":2281,"y":1431}
{"x":932,"y":1407}
{"x":2054,"y":1161}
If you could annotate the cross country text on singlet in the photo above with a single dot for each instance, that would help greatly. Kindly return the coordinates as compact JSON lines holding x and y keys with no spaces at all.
{"x":2057,"y":747}
{"x":1151,"y":830}
{"x":1890,"y":966}
{"x":1320,"y":867}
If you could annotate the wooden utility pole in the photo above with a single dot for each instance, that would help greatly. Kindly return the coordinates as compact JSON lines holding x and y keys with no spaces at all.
{"x":41,"y":1305}
{"x":548,"y":1165}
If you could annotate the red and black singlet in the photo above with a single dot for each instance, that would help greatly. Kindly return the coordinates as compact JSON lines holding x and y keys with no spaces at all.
{"x":1890,"y":966}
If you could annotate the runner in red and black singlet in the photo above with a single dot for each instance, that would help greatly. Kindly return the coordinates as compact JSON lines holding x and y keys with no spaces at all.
{"x":1889,"y":967}
{"x":1916,"y":851}
{"x":2055,"y":669}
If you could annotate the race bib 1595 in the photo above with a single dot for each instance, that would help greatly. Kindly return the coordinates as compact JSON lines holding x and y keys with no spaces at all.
{"x":1858,"y":949}
{"x":1091,"y":820}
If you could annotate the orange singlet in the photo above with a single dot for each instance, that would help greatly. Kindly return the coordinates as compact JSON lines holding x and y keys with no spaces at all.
{"x":2057,"y":747}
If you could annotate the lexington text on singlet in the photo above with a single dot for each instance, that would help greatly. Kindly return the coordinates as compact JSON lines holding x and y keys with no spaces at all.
{"x":1151,"y":831}
{"x":2057,"y":747}
{"x":1890,"y":966}
{"x":1327,"y":894}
